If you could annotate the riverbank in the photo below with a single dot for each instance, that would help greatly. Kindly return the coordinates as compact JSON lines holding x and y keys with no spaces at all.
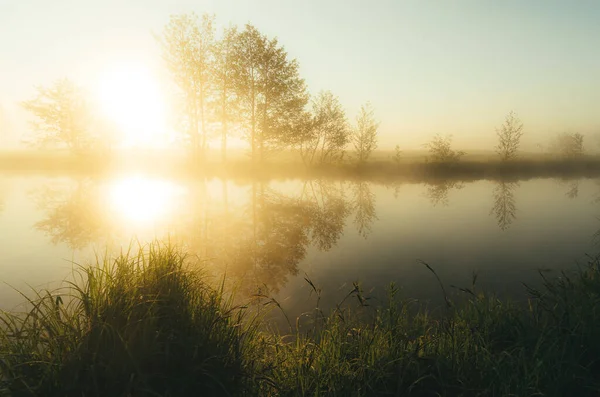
{"x":412,"y":168}
{"x":145,"y":324}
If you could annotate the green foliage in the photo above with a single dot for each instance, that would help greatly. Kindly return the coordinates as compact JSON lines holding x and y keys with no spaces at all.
{"x":145,"y":325}
{"x":139,"y":325}
{"x":509,"y":137}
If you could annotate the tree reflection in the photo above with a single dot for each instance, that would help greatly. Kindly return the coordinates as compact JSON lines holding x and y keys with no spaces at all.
{"x":269,"y":251}
{"x":326,"y":210}
{"x":504,"y":209}
{"x":72,"y":213}
{"x":438,"y":192}
{"x":364,"y":208}
{"x":259,"y":240}
{"x":573,"y":191}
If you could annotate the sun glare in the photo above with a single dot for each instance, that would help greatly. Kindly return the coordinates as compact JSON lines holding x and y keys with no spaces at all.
{"x":143,"y":200}
{"x":130,"y":96}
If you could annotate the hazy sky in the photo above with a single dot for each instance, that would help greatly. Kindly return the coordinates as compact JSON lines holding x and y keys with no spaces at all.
{"x":427,"y":66}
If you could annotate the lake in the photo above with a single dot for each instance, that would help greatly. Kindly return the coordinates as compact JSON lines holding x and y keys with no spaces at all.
{"x":267,"y":236}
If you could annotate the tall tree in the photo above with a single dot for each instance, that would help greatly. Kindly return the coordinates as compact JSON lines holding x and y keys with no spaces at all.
{"x":509,"y":137}
{"x":62,"y":116}
{"x":187,"y":47}
{"x":272,"y":94}
{"x":328,"y":134}
{"x":365,"y":135}
{"x":224,"y":69}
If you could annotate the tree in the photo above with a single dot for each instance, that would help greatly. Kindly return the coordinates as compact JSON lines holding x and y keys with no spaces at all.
{"x":365,"y":135}
{"x":328,"y":133}
{"x":187,"y":48}
{"x":397,"y":157}
{"x":440,"y":150}
{"x":62,"y":114}
{"x":569,"y":145}
{"x":224,"y":84}
{"x":271,"y":93}
{"x":509,"y":136}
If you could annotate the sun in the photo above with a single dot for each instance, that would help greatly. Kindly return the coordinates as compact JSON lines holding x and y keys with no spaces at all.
{"x":129,"y":95}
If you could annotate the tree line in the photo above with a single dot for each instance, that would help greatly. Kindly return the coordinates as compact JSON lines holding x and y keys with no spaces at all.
{"x":568,"y":145}
{"x":237,"y":82}
{"x":240,"y":83}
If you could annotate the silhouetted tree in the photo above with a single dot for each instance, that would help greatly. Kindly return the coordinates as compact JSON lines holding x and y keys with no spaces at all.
{"x":62,"y":115}
{"x":440,"y":150}
{"x":365,"y":135}
{"x":187,"y":48}
{"x":328,"y":134}
{"x":505,"y":209}
{"x":509,"y":137}
{"x":224,"y":68}
{"x":272,"y":95}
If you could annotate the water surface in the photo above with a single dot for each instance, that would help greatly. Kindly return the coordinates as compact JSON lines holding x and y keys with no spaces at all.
{"x":269,"y":236}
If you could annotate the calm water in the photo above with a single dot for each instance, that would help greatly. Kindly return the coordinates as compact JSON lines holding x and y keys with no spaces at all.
{"x":270,"y":235}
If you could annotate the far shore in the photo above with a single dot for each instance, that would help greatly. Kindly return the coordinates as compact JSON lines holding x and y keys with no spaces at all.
{"x":411,"y":167}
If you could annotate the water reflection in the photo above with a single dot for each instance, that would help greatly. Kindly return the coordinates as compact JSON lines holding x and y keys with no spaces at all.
{"x":326,"y":210}
{"x":504,"y":208}
{"x":73,"y":213}
{"x":79,"y":213}
{"x":437,"y":192}
{"x":143,"y":200}
{"x":364,"y":208}
{"x":258,"y":233}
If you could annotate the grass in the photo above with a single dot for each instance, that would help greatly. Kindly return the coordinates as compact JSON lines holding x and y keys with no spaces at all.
{"x":145,"y":324}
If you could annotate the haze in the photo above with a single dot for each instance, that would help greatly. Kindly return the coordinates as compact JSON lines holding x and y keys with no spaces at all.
{"x":427,"y":67}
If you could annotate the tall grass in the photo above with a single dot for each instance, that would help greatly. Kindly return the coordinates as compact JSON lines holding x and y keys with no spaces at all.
{"x":141,"y":324}
{"x":144,"y":324}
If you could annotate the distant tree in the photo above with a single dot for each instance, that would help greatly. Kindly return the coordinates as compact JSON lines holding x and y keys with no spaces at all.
{"x":509,"y":137}
{"x":187,"y":48}
{"x":62,"y":116}
{"x":440,"y":150}
{"x":397,"y":155}
{"x":569,"y":145}
{"x":223,"y":73}
{"x":328,"y":134}
{"x":365,"y":135}
{"x":271,"y":93}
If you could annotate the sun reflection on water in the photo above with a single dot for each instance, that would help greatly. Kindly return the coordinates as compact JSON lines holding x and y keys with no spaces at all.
{"x":143,"y":200}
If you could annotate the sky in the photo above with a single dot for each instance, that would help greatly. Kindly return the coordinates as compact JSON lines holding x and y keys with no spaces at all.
{"x":449,"y":67}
